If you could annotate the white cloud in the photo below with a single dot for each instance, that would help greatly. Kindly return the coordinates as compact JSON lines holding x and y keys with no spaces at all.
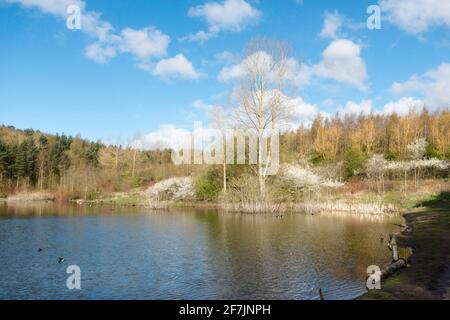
{"x":229,"y":15}
{"x":200,"y":36}
{"x":176,"y":67}
{"x":144,"y":43}
{"x":403,"y":106}
{"x":298,"y":73}
{"x":331,"y":26}
{"x":417,"y":16}
{"x":434,"y":85}
{"x":342,"y":62}
{"x":231,"y":73}
{"x":225,"y":57}
{"x":301,"y":109}
{"x":100,"y":53}
{"x":56,"y":7}
{"x":203,"y":106}
{"x":260,"y":59}
{"x":302,"y":113}
{"x":91,"y":22}
{"x":168,"y":136}
{"x":199,"y":104}
{"x":353,"y":108}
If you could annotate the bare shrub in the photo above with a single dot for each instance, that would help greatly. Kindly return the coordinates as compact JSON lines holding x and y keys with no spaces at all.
{"x":339,"y":206}
{"x":35,"y":196}
{"x":244,"y":196}
{"x":356,"y":185}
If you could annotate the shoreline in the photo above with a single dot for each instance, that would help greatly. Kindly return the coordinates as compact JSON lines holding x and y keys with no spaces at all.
{"x":427,"y":276}
{"x":343,"y":204}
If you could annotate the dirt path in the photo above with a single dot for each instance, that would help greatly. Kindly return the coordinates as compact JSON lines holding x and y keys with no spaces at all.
{"x":428,"y":276}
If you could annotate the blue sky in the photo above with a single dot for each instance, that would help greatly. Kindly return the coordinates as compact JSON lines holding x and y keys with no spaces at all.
{"x":150,"y":67}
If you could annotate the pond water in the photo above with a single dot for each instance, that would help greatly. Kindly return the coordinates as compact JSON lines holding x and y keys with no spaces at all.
{"x":134,"y":253}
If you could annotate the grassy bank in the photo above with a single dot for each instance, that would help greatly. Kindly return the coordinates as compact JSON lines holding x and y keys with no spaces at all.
{"x":391,"y":203}
{"x":31,"y":197}
{"x":132,"y":198}
{"x":428,"y":275}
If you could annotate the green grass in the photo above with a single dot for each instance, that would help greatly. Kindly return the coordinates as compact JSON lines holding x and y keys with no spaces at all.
{"x":398,"y":199}
{"x":124,"y":199}
{"x":427,"y":277}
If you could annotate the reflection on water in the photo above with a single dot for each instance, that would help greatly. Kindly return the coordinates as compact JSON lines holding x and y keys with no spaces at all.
{"x":130,"y":253}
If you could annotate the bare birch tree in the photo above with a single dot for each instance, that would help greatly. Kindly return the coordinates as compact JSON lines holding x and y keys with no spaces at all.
{"x":261,"y":103}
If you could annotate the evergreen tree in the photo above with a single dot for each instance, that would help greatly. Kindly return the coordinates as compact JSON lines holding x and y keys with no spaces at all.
{"x":91,"y":154}
{"x":43,"y":157}
{"x":31,"y":160}
{"x":4,"y":155}
{"x":58,"y":158}
{"x":20,"y":164}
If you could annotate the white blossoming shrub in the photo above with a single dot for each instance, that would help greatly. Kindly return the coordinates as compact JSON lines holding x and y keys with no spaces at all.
{"x":332,"y":171}
{"x":375,"y":165}
{"x":304,"y":179}
{"x":433,"y":164}
{"x":175,"y":189}
{"x":416,"y":149}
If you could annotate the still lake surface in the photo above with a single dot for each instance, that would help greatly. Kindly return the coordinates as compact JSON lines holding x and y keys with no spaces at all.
{"x":134,"y":253}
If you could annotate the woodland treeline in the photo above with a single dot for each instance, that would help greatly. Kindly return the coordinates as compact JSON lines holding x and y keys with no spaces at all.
{"x":338,"y":138}
{"x":72,"y":167}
